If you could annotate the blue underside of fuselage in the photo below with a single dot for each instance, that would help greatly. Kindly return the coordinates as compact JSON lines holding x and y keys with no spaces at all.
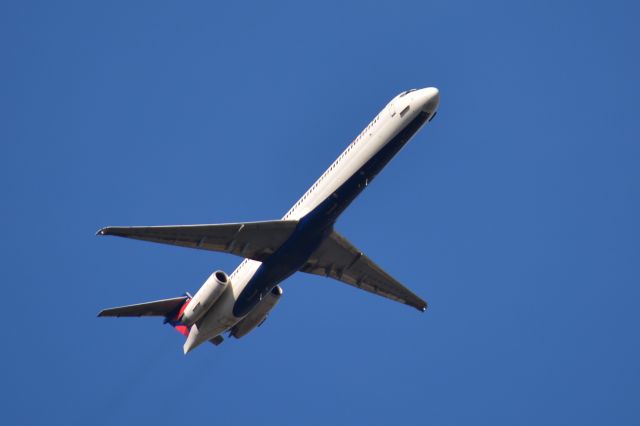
{"x":318,"y":224}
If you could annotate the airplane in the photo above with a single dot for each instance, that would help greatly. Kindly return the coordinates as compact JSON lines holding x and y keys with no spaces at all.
{"x":303,"y":240}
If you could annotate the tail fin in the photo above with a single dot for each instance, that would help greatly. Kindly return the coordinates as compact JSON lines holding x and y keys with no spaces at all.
{"x":173,"y":318}
{"x":170,"y":309}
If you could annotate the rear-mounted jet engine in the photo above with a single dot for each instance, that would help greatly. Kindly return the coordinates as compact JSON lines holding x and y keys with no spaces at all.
{"x":204,"y":299}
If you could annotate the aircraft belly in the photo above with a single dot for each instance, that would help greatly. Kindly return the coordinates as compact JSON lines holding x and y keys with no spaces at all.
{"x":318,"y":223}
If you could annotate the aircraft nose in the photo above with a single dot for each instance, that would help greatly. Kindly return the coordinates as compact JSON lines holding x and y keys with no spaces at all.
{"x":429,"y":97}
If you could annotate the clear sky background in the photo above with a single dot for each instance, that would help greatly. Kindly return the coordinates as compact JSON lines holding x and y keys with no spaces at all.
{"x":514,"y":213}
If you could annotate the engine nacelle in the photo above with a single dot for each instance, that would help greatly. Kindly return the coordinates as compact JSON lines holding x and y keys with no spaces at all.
{"x":204,"y":299}
{"x":258,"y":315}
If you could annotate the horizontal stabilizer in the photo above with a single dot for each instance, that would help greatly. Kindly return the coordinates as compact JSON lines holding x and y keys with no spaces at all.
{"x":254,"y":240}
{"x":158,"y":308}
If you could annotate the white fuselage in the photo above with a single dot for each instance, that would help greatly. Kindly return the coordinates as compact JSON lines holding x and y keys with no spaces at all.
{"x":393,"y":118}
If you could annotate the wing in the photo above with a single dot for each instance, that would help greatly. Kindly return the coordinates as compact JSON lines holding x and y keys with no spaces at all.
{"x":339,"y":259}
{"x":255,"y":240}
{"x":159,"y":308}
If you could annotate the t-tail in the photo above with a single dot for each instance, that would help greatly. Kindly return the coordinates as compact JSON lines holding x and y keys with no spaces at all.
{"x":174,"y":318}
{"x":172,"y":310}
{"x":184,"y":312}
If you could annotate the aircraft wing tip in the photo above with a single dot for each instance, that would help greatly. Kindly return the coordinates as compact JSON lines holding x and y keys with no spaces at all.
{"x":102,"y":231}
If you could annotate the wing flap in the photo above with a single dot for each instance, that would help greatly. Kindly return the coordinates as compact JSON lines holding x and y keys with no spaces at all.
{"x":254,"y":240}
{"x":339,"y":259}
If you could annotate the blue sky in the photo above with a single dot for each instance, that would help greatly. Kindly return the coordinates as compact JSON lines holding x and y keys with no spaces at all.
{"x":514,"y":213}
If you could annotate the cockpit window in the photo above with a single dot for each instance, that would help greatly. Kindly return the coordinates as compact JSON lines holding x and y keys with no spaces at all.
{"x":406,"y":91}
